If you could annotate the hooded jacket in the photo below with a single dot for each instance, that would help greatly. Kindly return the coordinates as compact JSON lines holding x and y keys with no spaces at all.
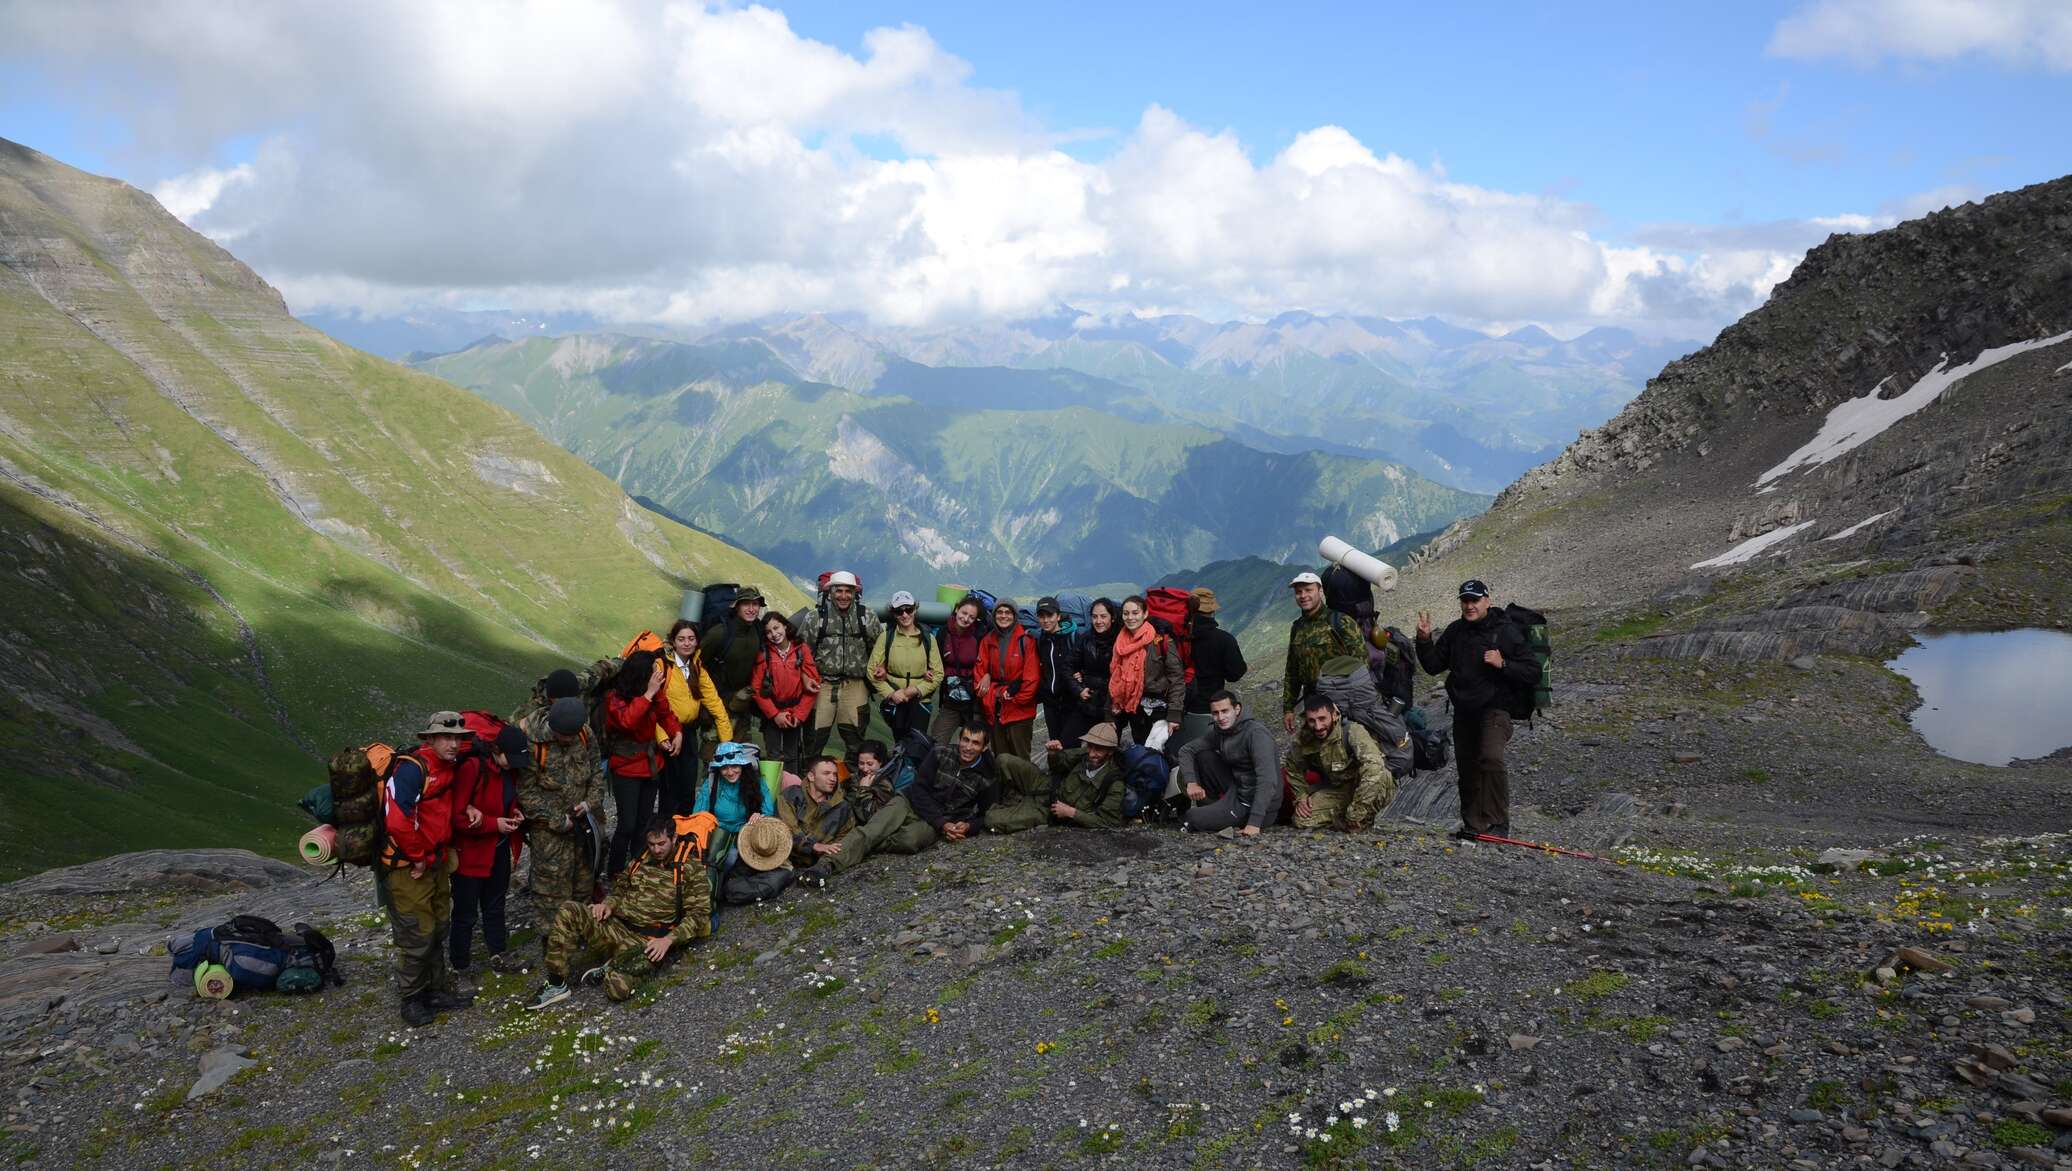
{"x":779,"y":679}
{"x":1056,"y":652}
{"x":692,"y":695}
{"x":560,"y":777}
{"x":1247,"y":749}
{"x":493,"y":791}
{"x":417,"y":809}
{"x":1090,"y":661}
{"x":1217,"y":661}
{"x":1015,"y":673}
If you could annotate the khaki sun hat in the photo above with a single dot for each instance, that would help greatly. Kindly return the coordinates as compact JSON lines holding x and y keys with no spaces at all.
{"x":765,"y":844}
{"x":445,"y":724}
{"x":1101,"y":736}
{"x":1204,"y":600}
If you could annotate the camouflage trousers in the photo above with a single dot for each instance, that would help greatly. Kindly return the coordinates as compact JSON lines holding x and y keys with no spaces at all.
{"x":1347,"y":808}
{"x":420,"y":912}
{"x":575,"y":934}
{"x":560,"y":872}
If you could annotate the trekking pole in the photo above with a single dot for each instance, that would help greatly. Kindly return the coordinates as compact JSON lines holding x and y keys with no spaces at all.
{"x":1540,"y":846}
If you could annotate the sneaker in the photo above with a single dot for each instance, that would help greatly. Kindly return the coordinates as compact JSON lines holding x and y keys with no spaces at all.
{"x":595,"y":976}
{"x":553,"y":992}
{"x":417,"y":1013}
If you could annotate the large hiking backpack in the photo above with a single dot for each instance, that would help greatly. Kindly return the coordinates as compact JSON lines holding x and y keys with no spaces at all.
{"x":1144,"y":775}
{"x":1534,"y":624}
{"x":1168,"y":606}
{"x":356,"y":776}
{"x":1348,"y":593}
{"x":907,"y":755}
{"x":1429,"y":746}
{"x":719,"y":600}
{"x":1346,"y":682}
{"x":484,"y":725}
{"x":259,"y":955}
{"x":1075,"y":613}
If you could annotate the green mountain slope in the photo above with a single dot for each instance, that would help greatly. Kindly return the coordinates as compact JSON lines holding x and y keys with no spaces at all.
{"x":964,"y":486}
{"x":233,"y":544}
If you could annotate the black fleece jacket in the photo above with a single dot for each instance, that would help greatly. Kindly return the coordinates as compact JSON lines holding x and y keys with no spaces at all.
{"x":1472,"y":684}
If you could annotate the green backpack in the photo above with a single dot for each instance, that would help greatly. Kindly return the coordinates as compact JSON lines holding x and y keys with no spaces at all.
{"x":1534,"y":624}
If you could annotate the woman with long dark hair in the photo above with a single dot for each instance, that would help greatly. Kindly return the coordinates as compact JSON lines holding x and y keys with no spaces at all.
{"x":957,"y":699}
{"x":1091,"y":659}
{"x":784,"y":684}
{"x":690,"y":693}
{"x":1146,"y":681}
{"x":638,"y":733}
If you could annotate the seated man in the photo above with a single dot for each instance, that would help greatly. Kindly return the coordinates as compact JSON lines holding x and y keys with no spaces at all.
{"x":660,"y":901}
{"x":1086,"y":787}
{"x":1230,"y":773}
{"x":1336,"y":771}
{"x":824,"y":831}
{"x":957,"y":783}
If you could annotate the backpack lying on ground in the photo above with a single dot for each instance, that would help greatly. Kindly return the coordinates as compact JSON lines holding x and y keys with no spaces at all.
{"x":1534,"y":624}
{"x":259,"y":955}
{"x":1144,"y":774}
{"x":1346,"y":682}
{"x":1428,"y":745}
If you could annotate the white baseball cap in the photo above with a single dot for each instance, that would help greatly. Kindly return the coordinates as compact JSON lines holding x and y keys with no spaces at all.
{"x":901,"y":598}
{"x":1306,"y":578}
{"x":841,"y":577}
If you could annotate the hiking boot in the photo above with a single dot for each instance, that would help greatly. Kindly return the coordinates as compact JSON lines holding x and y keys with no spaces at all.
{"x":815,"y":875}
{"x":595,"y":976}
{"x":553,"y":992}
{"x":440,"y":1000}
{"x":1465,"y":834}
{"x":1498,"y":831}
{"x":506,"y":963}
{"x":417,"y":1013}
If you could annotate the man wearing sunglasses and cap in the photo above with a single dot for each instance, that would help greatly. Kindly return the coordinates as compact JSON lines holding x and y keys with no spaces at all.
{"x":1488,"y":666}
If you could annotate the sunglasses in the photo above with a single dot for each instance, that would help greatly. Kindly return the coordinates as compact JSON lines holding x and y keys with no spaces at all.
{"x":904,"y":609}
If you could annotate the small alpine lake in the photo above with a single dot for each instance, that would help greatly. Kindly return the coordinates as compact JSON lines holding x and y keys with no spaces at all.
{"x":1992,"y":697}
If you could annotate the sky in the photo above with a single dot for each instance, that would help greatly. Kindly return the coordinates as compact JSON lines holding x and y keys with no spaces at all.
{"x":1659,"y":167}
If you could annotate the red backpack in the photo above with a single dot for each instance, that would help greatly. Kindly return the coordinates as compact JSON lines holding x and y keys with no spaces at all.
{"x":1169,"y":611}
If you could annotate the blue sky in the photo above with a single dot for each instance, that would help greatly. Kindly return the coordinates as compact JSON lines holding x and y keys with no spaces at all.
{"x":1613,"y":120}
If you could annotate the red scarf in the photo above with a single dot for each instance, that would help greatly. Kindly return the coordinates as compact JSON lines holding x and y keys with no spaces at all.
{"x":1126,"y":669}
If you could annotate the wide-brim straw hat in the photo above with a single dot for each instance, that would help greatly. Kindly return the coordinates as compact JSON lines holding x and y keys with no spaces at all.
{"x":765,"y":844}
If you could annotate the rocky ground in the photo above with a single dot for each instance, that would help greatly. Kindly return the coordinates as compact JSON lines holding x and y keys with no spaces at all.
{"x":1712,"y":993}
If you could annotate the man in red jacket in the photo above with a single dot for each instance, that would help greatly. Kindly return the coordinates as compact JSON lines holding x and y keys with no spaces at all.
{"x":417,"y":820}
{"x":486,"y":827}
{"x":1008,"y":675}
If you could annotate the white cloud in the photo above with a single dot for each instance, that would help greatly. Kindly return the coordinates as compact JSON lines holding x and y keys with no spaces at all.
{"x":2021,"y":33}
{"x":689,"y":163}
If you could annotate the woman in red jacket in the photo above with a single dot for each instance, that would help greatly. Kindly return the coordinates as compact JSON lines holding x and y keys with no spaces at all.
{"x":632,"y":713}
{"x":1006,"y":679}
{"x":785,"y":683}
{"x":486,"y":822}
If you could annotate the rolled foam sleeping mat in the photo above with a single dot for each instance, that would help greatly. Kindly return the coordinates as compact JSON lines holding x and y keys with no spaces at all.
{"x":773,"y":775}
{"x":950,"y":595}
{"x":1368,"y":566}
{"x":213,"y":982}
{"x":692,"y":608}
{"x":319,"y":846}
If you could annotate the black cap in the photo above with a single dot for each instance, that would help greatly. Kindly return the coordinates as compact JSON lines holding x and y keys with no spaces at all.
{"x":567,"y":716}
{"x":515,"y":745}
{"x":1473,"y":588}
{"x":562,"y":683}
{"x":1046,"y":605}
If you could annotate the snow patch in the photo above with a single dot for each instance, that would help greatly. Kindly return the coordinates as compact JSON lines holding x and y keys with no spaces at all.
{"x":1748,"y":549}
{"x":1858,"y":527}
{"x":1860,"y":420}
{"x":931,"y":545}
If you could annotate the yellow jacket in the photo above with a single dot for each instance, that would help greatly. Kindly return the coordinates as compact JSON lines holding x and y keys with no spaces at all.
{"x":693,"y":696}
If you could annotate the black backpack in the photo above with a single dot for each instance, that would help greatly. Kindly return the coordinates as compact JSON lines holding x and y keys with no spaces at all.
{"x":1348,"y":593}
{"x":1534,"y":626}
{"x":1395,"y":672}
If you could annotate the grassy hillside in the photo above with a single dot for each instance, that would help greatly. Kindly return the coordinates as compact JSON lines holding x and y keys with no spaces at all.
{"x":234,"y":544}
{"x":908,"y":493}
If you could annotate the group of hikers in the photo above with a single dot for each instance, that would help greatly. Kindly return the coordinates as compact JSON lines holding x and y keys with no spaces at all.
{"x":659,"y":744}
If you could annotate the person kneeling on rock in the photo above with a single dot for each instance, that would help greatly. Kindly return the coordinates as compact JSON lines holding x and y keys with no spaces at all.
{"x":661,"y":901}
{"x":1336,"y":771}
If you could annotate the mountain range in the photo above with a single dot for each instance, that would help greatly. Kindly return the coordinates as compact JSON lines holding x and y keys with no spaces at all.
{"x":233,"y":545}
{"x":1017,"y":479}
{"x":1462,"y":407}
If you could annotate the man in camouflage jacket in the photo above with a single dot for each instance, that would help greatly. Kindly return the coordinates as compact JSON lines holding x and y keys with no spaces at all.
{"x":659,"y":902}
{"x":1352,"y":778}
{"x":841,"y":632}
{"x":562,"y":793}
{"x":1318,"y":635}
